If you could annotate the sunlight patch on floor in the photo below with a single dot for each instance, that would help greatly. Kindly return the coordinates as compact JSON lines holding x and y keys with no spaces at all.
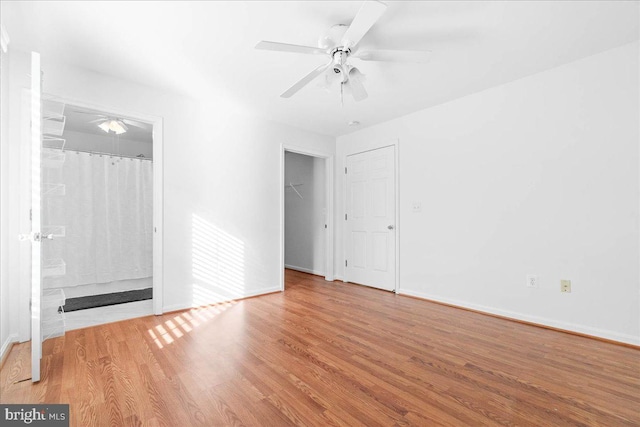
{"x":185,"y":322}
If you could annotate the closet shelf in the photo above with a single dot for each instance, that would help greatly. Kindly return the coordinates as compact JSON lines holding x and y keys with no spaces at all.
{"x":53,"y":318}
{"x":49,"y":189}
{"x":54,"y":267}
{"x":51,"y":108}
{"x":53,"y":142}
{"x":54,"y":126}
{"x":53,"y":298}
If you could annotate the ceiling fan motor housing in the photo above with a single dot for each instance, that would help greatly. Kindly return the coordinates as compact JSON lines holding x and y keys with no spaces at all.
{"x":340,"y":55}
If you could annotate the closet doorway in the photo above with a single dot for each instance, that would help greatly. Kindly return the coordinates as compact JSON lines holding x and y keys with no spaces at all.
{"x":307,"y":212}
{"x":100,"y":208}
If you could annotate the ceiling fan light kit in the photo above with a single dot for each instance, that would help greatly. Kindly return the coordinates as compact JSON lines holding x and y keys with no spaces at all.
{"x":117,"y":125}
{"x":339,"y":43}
{"x":113,"y":125}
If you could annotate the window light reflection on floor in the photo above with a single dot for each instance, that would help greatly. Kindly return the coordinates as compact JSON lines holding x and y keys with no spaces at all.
{"x":175,"y":328}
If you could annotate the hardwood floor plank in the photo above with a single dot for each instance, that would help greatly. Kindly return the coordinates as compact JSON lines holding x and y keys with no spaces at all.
{"x":163,"y":413}
{"x":226,"y":415}
{"x":82,"y":413}
{"x":237,"y":403}
{"x":328,"y":353}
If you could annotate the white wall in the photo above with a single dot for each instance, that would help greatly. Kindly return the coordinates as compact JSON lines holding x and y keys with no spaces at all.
{"x":221,"y":178}
{"x":538,"y":176}
{"x":305,"y":218}
{"x":224,"y":209}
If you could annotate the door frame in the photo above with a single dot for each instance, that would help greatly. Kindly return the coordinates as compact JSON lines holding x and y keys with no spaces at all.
{"x":158,"y":203}
{"x":362,"y":148}
{"x":329,"y":190}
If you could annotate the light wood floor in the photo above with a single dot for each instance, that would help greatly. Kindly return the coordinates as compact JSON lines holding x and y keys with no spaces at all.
{"x":330,"y":354}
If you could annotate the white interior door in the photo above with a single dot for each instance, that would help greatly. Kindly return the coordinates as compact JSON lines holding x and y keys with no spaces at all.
{"x":370,"y":218}
{"x":36,"y":245}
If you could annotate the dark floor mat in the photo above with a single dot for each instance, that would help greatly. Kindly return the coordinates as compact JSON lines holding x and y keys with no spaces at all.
{"x":93,"y":301}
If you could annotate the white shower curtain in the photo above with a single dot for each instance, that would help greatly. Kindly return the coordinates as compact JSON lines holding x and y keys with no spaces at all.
{"x":106,"y":209}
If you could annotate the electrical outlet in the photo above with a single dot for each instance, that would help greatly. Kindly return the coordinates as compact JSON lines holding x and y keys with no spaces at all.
{"x":416,"y":207}
{"x":565,"y":286}
{"x":532,"y":281}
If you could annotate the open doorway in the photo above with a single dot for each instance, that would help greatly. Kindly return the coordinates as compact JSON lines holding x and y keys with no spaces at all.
{"x":304,"y":213}
{"x":99,"y":209}
{"x":307,"y":212}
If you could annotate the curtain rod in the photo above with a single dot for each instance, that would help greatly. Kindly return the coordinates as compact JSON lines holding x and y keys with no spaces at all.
{"x":99,"y":153}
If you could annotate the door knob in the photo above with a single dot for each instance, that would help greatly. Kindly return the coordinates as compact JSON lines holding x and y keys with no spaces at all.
{"x":390,"y":227}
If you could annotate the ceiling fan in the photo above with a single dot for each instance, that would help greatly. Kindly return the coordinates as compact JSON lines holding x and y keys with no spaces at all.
{"x":114,"y":124}
{"x":341,"y":43}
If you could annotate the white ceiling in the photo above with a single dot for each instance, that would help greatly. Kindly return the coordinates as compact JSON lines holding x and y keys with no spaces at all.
{"x":206,"y":49}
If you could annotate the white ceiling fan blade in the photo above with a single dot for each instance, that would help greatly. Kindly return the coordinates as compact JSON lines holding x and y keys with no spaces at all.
{"x":417,"y":56}
{"x":368,"y":15}
{"x":286,"y":47}
{"x":305,"y":80}
{"x":355,"y":84}
{"x":333,"y":36}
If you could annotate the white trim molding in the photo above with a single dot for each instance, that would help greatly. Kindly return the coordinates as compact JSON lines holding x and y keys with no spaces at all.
{"x":540,"y":321}
{"x":4,"y":39}
{"x":255,"y":293}
{"x":304,"y":270}
{"x":6,"y":346}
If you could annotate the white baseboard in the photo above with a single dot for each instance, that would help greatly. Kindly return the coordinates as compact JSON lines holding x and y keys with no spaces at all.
{"x":542,"y":321}
{"x":187,"y":306}
{"x":6,"y":345}
{"x":305,"y":270}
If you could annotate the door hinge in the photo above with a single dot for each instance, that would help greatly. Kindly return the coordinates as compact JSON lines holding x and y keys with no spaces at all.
{"x":345,"y":171}
{"x":346,"y":263}
{"x":345,"y":217}
{"x":30,"y":214}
